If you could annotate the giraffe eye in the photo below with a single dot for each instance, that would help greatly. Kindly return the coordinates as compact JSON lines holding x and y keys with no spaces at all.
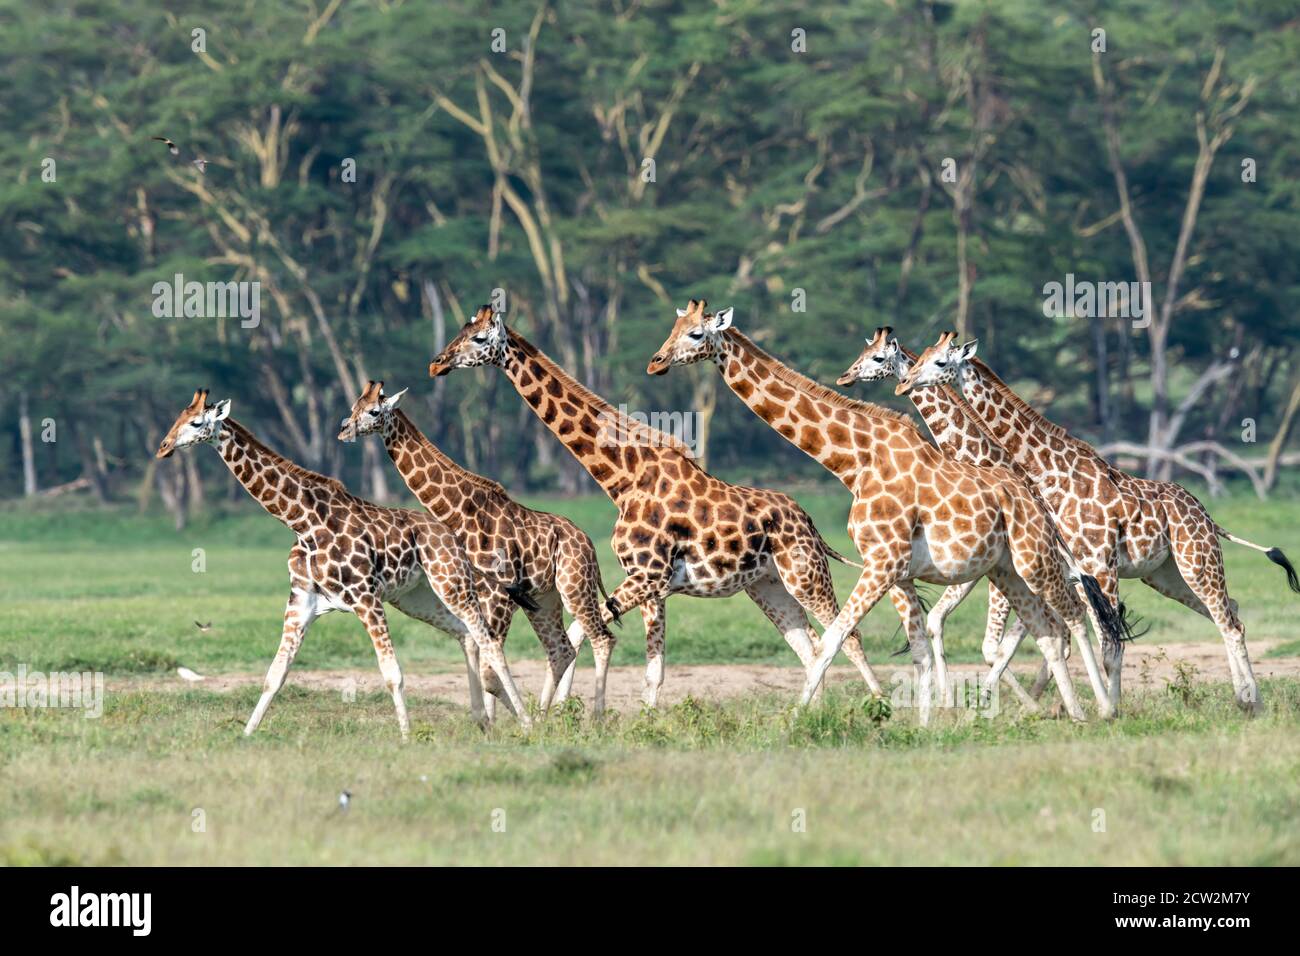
{"x":941,"y":364}
{"x":695,"y":334}
{"x":481,"y":338}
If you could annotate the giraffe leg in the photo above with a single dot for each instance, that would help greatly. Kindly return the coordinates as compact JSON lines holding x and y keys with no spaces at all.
{"x":477,"y":711}
{"x":884,"y":565}
{"x":422,"y":604}
{"x":787,"y":615}
{"x":1169,"y":582}
{"x":654,"y":614}
{"x":298,"y":615}
{"x":370,"y":610}
{"x":1013,"y":638}
{"x":998,"y":656}
{"x":647,"y":591}
{"x":995,"y":632}
{"x":576,"y":579}
{"x":1206,"y":594}
{"x":577,"y":633}
{"x":548,"y":622}
{"x":910,"y":609}
{"x":953,"y":595}
{"x":1048,"y":631}
{"x":452,"y":579}
{"x":806,"y":574}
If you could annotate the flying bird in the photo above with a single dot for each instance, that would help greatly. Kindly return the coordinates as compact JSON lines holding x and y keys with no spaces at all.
{"x":345,"y":800}
{"x":171,"y":147}
{"x":203,"y":628}
{"x":201,"y":165}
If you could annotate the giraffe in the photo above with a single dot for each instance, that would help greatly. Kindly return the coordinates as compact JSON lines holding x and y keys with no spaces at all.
{"x":351,"y":555}
{"x":1116,"y":524}
{"x":960,"y":436}
{"x":552,"y":560}
{"x":679,"y":529}
{"x":916,"y":515}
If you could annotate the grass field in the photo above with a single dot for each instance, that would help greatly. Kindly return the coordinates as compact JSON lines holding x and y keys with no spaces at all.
{"x":1182,"y":778}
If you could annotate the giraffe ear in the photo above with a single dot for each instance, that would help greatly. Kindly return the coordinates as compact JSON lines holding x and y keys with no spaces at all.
{"x":221,"y":410}
{"x":683,"y":313}
{"x":722,"y":320}
{"x":968,"y":350}
{"x":391,"y":401}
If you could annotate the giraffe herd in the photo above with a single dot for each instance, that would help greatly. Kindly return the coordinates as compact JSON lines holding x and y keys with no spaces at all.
{"x":997,"y":491}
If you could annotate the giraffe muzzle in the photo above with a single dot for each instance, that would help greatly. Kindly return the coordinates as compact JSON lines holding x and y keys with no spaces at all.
{"x":658,"y":366}
{"x":848,"y":378}
{"x":166,"y":448}
{"x":438,"y":367}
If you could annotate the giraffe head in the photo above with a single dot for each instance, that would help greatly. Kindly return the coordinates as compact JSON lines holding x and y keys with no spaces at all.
{"x":199,"y":422}
{"x":696,"y":335}
{"x":940,"y":364}
{"x":879,"y":359}
{"x":371,"y":412}
{"x":481,"y":342}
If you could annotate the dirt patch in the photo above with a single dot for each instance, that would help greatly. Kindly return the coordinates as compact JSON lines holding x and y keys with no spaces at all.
{"x":1150,"y":665}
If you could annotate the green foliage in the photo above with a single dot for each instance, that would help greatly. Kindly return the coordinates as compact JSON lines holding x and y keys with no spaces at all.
{"x":776,"y":170}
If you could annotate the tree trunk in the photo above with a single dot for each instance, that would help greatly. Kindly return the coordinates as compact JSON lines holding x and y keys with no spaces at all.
{"x":1279,"y":440}
{"x":29,"y":457}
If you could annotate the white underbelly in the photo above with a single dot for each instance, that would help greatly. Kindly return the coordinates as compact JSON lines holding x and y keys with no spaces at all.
{"x":701,"y":580}
{"x":1127,"y":568}
{"x":946,"y":562}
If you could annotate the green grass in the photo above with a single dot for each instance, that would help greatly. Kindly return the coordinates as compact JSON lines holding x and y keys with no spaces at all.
{"x":697,"y":783}
{"x":115,"y":591}
{"x":701,"y":782}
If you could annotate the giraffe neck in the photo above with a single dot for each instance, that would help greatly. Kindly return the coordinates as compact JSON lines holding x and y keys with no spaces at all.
{"x":955,"y":428}
{"x":287,"y":491}
{"x":1032,"y":442}
{"x":611,"y":448}
{"x":441,"y":485}
{"x":840,"y":433}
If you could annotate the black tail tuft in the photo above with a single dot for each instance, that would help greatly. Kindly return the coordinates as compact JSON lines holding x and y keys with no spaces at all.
{"x":520,"y":597}
{"x":1130,"y":621}
{"x":616,"y":615}
{"x":922,"y":598}
{"x":1114,"y":627}
{"x":1277,"y":557}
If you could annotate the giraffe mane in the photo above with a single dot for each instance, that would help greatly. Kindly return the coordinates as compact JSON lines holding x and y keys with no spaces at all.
{"x":1018,"y":403}
{"x":816,"y":389}
{"x":463,"y":474}
{"x":662,"y":440}
{"x":289,"y":466}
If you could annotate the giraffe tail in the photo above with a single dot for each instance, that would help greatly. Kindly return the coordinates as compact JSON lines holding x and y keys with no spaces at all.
{"x":832,"y":553}
{"x":610,"y":604}
{"x":1117,"y":623}
{"x":1273,"y":554}
{"x":520,"y":597}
